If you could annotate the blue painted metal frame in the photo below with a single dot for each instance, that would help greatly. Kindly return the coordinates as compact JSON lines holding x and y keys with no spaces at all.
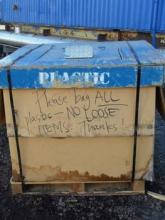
{"x":67,"y":78}
{"x":113,"y":65}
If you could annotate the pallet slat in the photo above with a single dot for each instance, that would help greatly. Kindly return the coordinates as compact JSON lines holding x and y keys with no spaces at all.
{"x":103,"y":188}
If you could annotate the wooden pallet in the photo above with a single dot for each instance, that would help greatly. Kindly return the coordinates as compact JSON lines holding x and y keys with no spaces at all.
{"x":101,"y":188}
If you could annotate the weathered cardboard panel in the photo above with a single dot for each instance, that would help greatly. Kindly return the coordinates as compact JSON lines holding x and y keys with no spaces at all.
{"x":81,"y":159}
{"x":80,"y":112}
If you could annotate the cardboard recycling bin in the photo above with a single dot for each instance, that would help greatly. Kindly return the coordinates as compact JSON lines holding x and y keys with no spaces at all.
{"x":81,"y":118}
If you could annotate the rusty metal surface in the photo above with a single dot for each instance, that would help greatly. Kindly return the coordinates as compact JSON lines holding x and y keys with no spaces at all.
{"x":72,"y":33}
{"x":95,"y":34}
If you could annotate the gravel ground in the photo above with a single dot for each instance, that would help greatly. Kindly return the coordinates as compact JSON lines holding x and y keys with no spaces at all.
{"x":83,"y":207}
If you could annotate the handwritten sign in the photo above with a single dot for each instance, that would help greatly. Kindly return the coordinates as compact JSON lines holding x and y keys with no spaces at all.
{"x":78,"y":112}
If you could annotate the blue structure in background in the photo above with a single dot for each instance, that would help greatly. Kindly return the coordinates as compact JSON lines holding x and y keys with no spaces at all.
{"x":138,"y":15}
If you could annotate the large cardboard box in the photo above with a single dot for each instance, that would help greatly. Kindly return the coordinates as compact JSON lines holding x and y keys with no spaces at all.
{"x":75,"y":108}
{"x":81,"y":134}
